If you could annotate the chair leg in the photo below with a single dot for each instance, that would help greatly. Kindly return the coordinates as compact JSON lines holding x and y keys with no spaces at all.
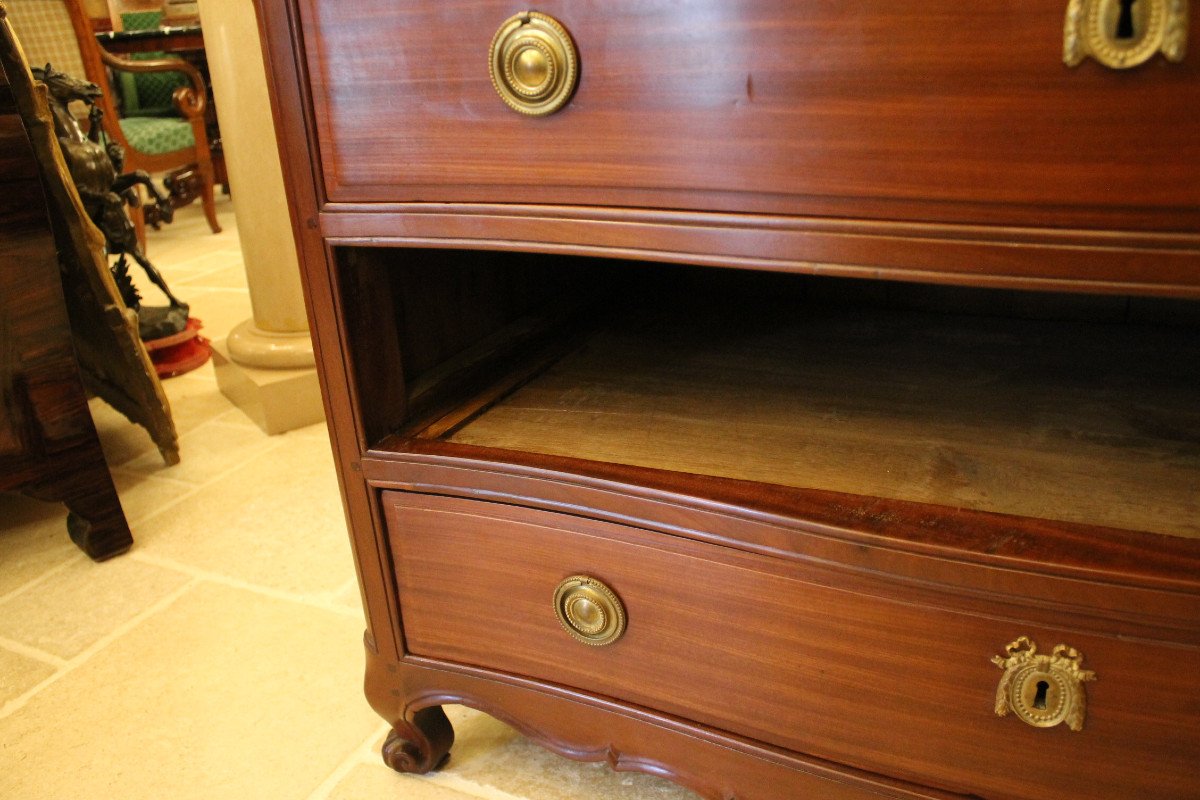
{"x":138,"y":217}
{"x":206,"y":197}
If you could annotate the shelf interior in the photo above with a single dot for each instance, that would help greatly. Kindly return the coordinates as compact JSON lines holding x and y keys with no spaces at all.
{"x":1080,"y":409}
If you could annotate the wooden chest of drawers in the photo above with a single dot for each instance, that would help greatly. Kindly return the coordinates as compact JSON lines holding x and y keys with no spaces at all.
{"x":767,"y":530}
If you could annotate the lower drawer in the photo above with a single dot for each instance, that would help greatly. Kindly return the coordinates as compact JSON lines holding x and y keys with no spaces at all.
{"x":781,"y":652}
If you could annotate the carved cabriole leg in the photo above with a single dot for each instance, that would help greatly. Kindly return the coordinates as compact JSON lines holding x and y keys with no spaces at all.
{"x":420,"y":745}
{"x":715,"y":765}
{"x":420,"y":740}
{"x":206,"y":196}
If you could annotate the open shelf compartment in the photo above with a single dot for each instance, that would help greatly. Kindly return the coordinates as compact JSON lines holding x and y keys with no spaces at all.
{"x":1079,"y":409}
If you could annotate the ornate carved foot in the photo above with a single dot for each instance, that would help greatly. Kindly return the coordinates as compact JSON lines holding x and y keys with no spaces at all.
{"x":420,"y":745}
{"x":96,"y":522}
{"x":95,"y":519}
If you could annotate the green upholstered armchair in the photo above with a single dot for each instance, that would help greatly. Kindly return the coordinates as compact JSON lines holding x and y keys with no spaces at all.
{"x":59,"y":32}
{"x":147,"y":94}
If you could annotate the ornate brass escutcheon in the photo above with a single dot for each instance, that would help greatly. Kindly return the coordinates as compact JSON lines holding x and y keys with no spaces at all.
{"x":1042,"y":690}
{"x":1124,"y":33}
{"x":590,"y":611}
{"x":533,"y":63}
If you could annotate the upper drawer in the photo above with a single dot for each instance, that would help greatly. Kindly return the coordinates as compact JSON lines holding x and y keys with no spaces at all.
{"x":932,"y":109}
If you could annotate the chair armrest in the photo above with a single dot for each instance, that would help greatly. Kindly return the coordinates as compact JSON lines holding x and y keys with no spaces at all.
{"x":190,"y":101}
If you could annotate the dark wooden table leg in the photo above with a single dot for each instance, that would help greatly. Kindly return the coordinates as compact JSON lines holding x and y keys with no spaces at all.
{"x":81,"y":481}
{"x":96,"y":521}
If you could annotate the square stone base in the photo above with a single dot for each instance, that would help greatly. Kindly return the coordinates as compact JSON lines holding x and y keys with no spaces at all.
{"x":278,"y":400}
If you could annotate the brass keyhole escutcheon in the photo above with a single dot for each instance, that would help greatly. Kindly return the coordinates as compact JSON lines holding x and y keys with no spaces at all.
{"x":1126,"y":27}
{"x":1041,"y":698}
{"x":1042,"y":690}
{"x":533,"y":63}
{"x":1124,"y":33}
{"x":590,"y":611}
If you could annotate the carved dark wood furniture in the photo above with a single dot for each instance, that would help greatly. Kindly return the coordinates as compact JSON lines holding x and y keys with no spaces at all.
{"x":791,"y":399}
{"x":48,"y":445}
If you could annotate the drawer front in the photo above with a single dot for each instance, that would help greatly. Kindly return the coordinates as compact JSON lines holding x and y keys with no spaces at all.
{"x":775,"y":651}
{"x":786,"y":107}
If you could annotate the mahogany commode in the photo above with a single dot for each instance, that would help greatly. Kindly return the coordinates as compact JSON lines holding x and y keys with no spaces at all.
{"x":763,"y":529}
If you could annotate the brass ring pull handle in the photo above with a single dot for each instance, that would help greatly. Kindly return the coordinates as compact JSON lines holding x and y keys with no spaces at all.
{"x":1122,"y":34}
{"x":533,"y":63}
{"x":590,"y":611}
{"x":1042,"y":690}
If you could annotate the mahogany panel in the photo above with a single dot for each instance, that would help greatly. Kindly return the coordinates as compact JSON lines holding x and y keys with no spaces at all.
{"x":1027,"y":258}
{"x":1106,"y":581}
{"x":576,"y":725}
{"x":774,"y":652}
{"x":756,"y":105}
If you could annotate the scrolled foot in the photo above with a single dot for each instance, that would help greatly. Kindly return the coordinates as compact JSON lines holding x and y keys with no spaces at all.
{"x":95,"y":520}
{"x":100,"y":540}
{"x":420,"y":745}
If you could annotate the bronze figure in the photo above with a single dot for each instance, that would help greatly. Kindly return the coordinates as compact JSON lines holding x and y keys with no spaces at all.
{"x":95,"y":164}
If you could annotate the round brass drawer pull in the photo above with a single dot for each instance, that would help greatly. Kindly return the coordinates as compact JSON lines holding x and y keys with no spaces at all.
{"x":533,"y":63}
{"x":589,"y":610}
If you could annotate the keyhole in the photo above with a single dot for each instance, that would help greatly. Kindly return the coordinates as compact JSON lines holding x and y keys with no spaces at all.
{"x":1039,"y":699}
{"x":1125,"y":20}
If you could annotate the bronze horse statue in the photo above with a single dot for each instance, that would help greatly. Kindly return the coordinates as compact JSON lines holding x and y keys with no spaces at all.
{"x":95,"y":164}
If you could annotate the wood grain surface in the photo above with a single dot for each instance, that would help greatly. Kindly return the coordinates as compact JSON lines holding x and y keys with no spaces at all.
{"x":714,"y":763}
{"x":1094,"y":423}
{"x":775,"y":653}
{"x":927,"y":110}
{"x":933,"y":142}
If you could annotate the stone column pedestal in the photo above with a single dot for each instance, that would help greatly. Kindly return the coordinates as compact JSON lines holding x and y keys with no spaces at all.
{"x":266,"y":365}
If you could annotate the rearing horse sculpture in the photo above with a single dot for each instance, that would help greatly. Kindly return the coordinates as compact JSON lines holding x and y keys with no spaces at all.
{"x":96,"y":170}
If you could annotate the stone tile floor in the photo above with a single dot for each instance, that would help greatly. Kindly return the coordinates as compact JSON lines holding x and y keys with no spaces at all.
{"x":220,"y":658}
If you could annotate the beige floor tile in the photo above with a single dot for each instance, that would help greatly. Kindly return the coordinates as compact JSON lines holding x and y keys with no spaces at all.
{"x":142,"y":495}
{"x":349,"y":596}
{"x":205,"y":452}
{"x":230,"y":276}
{"x":274,"y":521}
{"x":189,"y":265}
{"x":186,"y":274}
{"x":121,"y":439}
{"x":319,"y":431}
{"x":219,"y":310}
{"x":194,"y":399}
{"x":223,"y":694}
{"x":203,"y":376}
{"x":237,"y":417}
{"x":491,"y":754}
{"x":205,"y":260}
{"x":191,"y":225}
{"x":377,"y":782}
{"x":80,"y":605}
{"x":33,"y":539}
{"x":19,"y":674}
